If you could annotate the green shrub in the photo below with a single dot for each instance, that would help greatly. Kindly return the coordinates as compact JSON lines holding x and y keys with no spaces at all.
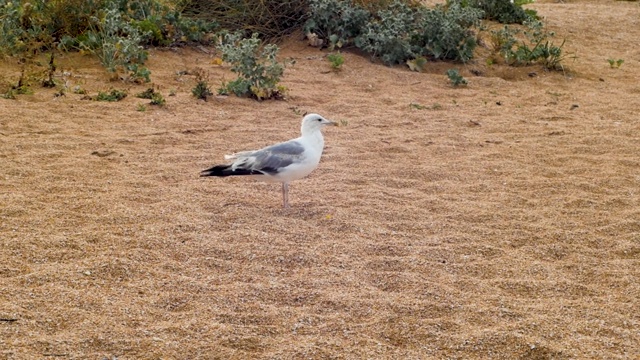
{"x":113,"y":95}
{"x":390,"y":34}
{"x":445,"y":33}
{"x":503,"y":11}
{"x":115,"y":41}
{"x":147,"y":94}
{"x":337,"y":21}
{"x":538,"y":47}
{"x":455,"y":77}
{"x":158,"y":99}
{"x":399,"y":31}
{"x":336,"y":60}
{"x":201,"y":90}
{"x":258,"y":70}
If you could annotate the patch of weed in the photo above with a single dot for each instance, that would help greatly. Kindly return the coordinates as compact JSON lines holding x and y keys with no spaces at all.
{"x":455,"y":78}
{"x":201,"y":90}
{"x":615,"y":64}
{"x":112,"y":95}
{"x":336,"y":60}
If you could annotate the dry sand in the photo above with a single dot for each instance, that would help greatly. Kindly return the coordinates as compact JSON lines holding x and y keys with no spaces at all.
{"x":500,"y":221}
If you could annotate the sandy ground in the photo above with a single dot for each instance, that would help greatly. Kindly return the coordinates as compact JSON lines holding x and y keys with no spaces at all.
{"x":502,"y":220}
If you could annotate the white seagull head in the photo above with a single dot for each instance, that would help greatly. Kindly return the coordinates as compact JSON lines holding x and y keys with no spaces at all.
{"x":314,"y":122}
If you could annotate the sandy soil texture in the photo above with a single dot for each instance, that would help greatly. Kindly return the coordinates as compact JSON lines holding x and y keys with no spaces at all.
{"x":496,"y":221}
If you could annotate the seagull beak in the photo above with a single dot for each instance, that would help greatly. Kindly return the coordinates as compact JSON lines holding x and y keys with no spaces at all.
{"x":332,"y":123}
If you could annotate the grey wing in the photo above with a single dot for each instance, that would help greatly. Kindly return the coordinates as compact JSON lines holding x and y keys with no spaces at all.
{"x":272,"y":159}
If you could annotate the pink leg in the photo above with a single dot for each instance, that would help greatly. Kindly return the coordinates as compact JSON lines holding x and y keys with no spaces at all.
{"x":285,"y":194}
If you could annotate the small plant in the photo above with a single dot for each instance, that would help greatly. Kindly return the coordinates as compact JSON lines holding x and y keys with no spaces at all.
{"x":79,"y":90}
{"x":157,"y":99}
{"x":258,"y":70}
{"x":48,"y":82}
{"x":418,"y":64}
{"x":172,"y":92}
{"x":147,"y":94}
{"x":455,"y":77}
{"x":113,"y":95}
{"x":336,"y":60}
{"x":537,"y":49}
{"x":141,"y":108}
{"x":615,"y":64}
{"x":201,"y":90}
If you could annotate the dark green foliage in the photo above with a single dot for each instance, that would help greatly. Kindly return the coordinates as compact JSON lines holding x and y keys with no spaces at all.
{"x":446,"y":33}
{"x":503,"y":11}
{"x":398,"y":31}
{"x":201,"y":90}
{"x":455,"y":77}
{"x":391,"y":35}
{"x":113,"y":95}
{"x":147,"y":94}
{"x":337,"y":21}
{"x":157,"y":99}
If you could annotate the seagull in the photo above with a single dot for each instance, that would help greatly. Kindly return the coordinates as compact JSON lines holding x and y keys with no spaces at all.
{"x":282,"y":162}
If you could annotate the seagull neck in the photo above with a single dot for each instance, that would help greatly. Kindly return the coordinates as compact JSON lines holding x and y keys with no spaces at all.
{"x":314,"y":137}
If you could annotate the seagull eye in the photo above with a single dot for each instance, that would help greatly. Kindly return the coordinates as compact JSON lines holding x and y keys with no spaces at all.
{"x":319,"y":119}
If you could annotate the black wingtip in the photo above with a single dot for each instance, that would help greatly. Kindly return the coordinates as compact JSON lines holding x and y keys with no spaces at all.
{"x":226,"y":170}
{"x":218,"y":170}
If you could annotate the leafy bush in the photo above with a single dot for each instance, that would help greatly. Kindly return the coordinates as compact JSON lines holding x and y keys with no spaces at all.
{"x":116,"y":43}
{"x":338,"y":21}
{"x":389,"y":35}
{"x":400,"y":31}
{"x":446,"y":33}
{"x":455,"y":77}
{"x":258,"y":70}
{"x":503,"y":11}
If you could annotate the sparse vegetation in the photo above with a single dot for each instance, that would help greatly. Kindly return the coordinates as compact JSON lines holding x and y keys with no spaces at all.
{"x":615,"y":64}
{"x":395,"y":31}
{"x":537,"y":48}
{"x":113,"y":30}
{"x":155,"y":97}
